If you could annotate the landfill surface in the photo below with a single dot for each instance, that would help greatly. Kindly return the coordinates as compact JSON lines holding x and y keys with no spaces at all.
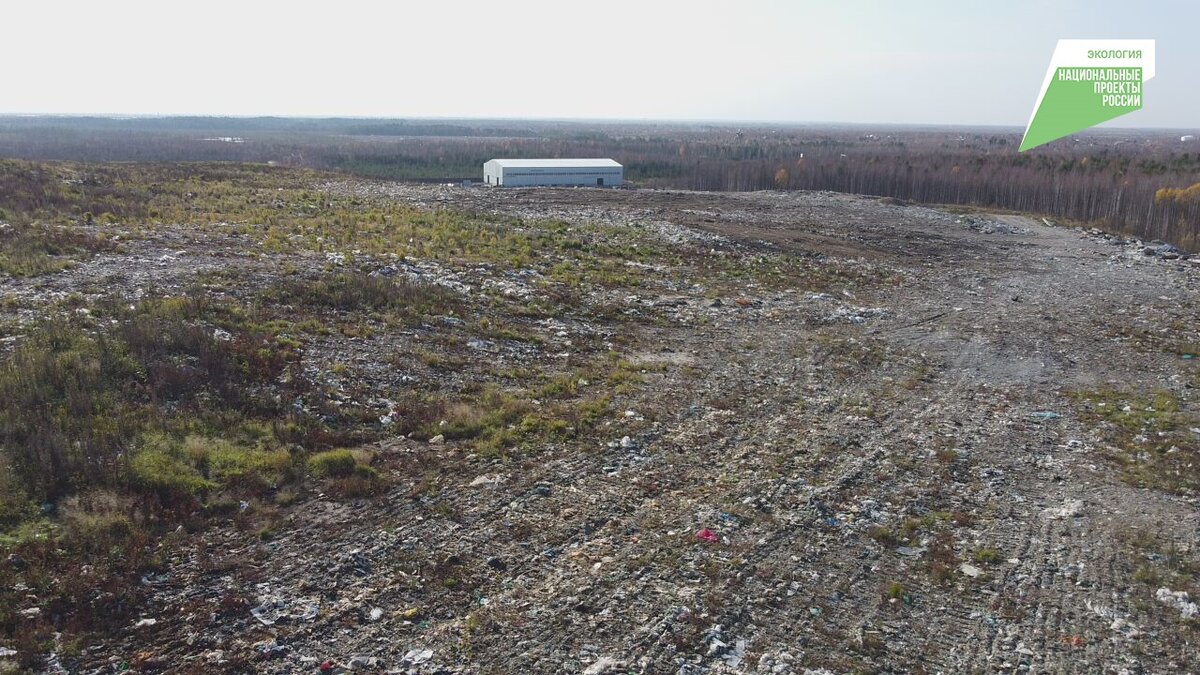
{"x":889,"y":463}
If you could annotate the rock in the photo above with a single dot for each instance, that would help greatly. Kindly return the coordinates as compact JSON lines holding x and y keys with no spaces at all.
{"x":437,"y":439}
{"x":143,"y":623}
{"x":970,"y":570}
{"x":627,"y":443}
{"x":375,"y":614}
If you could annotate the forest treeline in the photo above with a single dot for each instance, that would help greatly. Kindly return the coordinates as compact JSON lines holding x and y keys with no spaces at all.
{"x":1142,"y":183}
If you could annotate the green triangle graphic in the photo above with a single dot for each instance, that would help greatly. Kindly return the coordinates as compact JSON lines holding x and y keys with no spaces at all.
{"x":1070,"y":106}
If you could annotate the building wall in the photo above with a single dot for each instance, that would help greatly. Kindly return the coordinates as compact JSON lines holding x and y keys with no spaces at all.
{"x":491,"y":172}
{"x":582,"y":176}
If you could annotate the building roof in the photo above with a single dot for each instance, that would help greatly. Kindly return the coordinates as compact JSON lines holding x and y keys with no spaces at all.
{"x":594,"y":163}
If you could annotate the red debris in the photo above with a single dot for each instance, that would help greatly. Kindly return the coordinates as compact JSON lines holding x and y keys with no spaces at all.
{"x":326,"y":666}
{"x":1073,"y":641}
{"x":707,"y":535}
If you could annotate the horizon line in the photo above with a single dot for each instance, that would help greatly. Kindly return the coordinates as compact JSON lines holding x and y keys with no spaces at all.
{"x":576,"y":120}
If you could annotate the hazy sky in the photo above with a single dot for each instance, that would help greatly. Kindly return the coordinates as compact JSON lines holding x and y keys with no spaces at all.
{"x":960,"y":61}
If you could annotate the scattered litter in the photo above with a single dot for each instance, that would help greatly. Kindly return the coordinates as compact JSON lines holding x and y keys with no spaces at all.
{"x":1075,"y":641}
{"x":479,"y":345}
{"x":5,"y":652}
{"x":272,"y":649}
{"x":1045,"y":415}
{"x":1072,"y":508}
{"x":970,"y":570}
{"x":142,"y":623}
{"x":707,"y":535}
{"x":851,"y":314}
{"x":156,"y":579}
{"x":602,"y":665}
{"x":733,"y":658}
{"x":1178,"y":600}
{"x":416,"y":657}
{"x":274,"y":609}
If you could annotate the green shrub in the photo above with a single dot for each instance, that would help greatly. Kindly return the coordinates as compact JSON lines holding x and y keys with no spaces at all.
{"x":30,"y":250}
{"x":358,"y":291}
{"x":158,"y":468}
{"x":333,"y":464}
{"x":226,"y":461}
{"x":62,"y":413}
{"x":987,"y":556}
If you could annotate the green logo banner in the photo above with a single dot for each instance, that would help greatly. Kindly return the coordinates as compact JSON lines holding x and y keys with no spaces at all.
{"x":1089,"y":82}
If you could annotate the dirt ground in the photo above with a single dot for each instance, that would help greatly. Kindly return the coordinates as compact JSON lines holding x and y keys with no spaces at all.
{"x":891,"y":473}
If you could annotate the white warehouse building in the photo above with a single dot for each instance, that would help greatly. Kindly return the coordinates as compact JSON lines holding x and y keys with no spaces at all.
{"x":578,"y":172}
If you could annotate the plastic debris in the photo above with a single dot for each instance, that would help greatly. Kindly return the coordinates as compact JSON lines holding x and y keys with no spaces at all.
{"x":602,"y":665}
{"x":1072,"y":508}
{"x":272,"y":649}
{"x":733,"y":657}
{"x":707,"y":535}
{"x":1179,"y":600}
{"x":274,"y":609}
{"x":416,"y":657}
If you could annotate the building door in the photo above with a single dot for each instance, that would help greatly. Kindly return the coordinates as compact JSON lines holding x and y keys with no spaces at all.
{"x":599,"y":182}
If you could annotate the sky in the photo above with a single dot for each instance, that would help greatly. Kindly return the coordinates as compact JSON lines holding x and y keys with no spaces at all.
{"x":913,"y":62}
